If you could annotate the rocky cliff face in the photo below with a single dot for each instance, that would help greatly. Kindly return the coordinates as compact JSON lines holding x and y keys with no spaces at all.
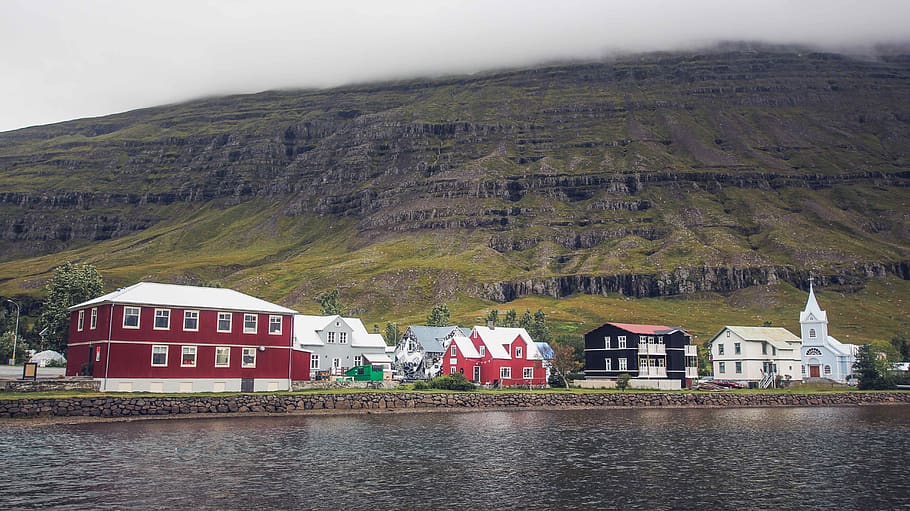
{"x":653,"y":176}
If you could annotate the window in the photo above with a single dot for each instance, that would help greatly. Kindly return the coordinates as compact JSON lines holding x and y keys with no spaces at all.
{"x":827,"y":369}
{"x":764,"y":348}
{"x":505,"y":373}
{"x":330,"y":337}
{"x":131,"y":317}
{"x":336,"y":363}
{"x":81,"y":321}
{"x":162,"y":319}
{"x":248,"y":358}
{"x":812,"y":333}
{"x":739,"y":367}
{"x":773,"y":351}
{"x":314,"y":361}
{"x":623,"y":364}
{"x":720,"y":349}
{"x":275,"y":325}
{"x":737,"y":348}
{"x":159,"y":356}
{"x":342,"y":337}
{"x":188,"y":359}
{"x":721,"y":367}
{"x":358,"y":360}
{"x":483,"y":350}
{"x":813,"y":352}
{"x":622,"y":341}
{"x":191,"y":321}
{"x":249,"y":323}
{"x":222,"y":356}
{"x":607,"y":341}
{"x":453,"y":370}
{"x":94,"y":318}
{"x":527,"y":373}
{"x":518,"y":352}
{"x":454,"y":350}
{"x":728,"y":333}
{"x":224,"y":321}
{"x":609,"y":366}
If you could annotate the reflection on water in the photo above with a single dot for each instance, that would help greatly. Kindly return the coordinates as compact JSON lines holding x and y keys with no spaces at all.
{"x":763,"y":458}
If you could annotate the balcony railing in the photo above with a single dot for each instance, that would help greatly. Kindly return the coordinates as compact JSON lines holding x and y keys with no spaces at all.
{"x":652,"y":372}
{"x":691,"y":351}
{"x":651,"y":349}
{"x":692,"y":372}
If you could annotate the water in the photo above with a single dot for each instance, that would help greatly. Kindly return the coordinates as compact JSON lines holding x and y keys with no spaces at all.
{"x":780,"y":458}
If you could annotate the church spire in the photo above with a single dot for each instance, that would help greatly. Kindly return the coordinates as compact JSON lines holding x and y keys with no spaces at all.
{"x":812,"y":304}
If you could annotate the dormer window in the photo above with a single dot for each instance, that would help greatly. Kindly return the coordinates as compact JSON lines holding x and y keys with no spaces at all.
{"x":518,"y":352}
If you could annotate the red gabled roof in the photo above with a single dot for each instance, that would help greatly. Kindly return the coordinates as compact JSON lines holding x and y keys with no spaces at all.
{"x":646,"y":329}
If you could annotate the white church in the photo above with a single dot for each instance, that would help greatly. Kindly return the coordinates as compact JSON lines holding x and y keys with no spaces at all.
{"x":823,"y":356}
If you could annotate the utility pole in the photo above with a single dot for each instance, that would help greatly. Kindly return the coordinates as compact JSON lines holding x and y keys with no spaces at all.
{"x":12,"y":361}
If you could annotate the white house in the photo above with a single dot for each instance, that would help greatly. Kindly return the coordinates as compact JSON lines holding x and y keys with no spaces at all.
{"x":823,"y":356}
{"x":337,"y":344}
{"x":753,"y":354}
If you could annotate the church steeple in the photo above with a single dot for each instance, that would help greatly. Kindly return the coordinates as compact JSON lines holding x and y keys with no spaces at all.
{"x":813,"y":320}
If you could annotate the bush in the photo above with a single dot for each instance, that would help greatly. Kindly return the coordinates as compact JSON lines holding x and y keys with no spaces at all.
{"x":622,"y":382}
{"x":451,"y":382}
{"x":420,"y":385}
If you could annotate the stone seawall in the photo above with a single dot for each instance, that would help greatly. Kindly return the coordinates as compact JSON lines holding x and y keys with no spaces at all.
{"x":123,"y":406}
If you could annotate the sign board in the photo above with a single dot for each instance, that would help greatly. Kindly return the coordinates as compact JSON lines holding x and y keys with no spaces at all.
{"x":30,"y":371}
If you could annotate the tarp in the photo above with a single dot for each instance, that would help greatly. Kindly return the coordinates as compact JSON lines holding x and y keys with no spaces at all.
{"x":47,"y":356}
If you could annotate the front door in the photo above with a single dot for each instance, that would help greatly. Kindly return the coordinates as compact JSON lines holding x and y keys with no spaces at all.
{"x":477,"y":373}
{"x":814,"y":372}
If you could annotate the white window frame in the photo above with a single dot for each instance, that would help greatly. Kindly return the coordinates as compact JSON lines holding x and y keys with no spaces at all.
{"x":330,"y":337}
{"x":518,"y":352}
{"x":137,"y":315}
{"x":483,"y":351}
{"x":505,"y":373}
{"x":185,"y":350}
{"x":527,"y":373}
{"x":737,"y":348}
{"x":81,"y":321}
{"x":607,"y":343}
{"x":720,"y":349}
{"x":621,"y":340}
{"x":738,"y":367}
{"x":314,"y":361}
{"x":609,"y":364}
{"x":812,"y":333}
{"x":250,"y":318}
{"x":159,"y":347}
{"x":722,"y":367}
{"x":158,"y":314}
{"x":192,"y":315}
{"x":93,"y":324}
{"x":342,"y":337}
{"x":623,"y":364}
{"x":358,"y":360}
{"x":453,"y":370}
{"x":454,"y":349}
{"x":223,"y":349}
{"x":229,"y":316}
{"x":336,"y":363}
{"x":275,"y":320}
{"x":246,"y":353}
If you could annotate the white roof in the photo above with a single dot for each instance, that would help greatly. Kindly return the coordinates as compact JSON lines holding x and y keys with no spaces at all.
{"x":780,"y":338}
{"x":377,"y":358}
{"x":812,"y":309}
{"x":173,"y":295}
{"x":465,"y":346}
{"x":364,"y":340}
{"x":841,"y":348}
{"x":307,"y":328}
{"x":495,"y":338}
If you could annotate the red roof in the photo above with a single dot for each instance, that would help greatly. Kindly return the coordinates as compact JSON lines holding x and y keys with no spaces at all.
{"x":645,"y":329}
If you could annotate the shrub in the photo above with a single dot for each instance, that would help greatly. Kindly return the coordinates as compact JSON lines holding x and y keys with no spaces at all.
{"x":420,"y":385}
{"x":451,"y":382}
{"x":622,"y":382}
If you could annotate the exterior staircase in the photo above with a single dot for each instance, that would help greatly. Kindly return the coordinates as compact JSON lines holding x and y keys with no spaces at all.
{"x":767,"y":381}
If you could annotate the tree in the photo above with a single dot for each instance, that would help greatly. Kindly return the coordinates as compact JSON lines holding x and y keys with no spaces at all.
{"x":564,"y":361}
{"x":71,"y":284}
{"x":872,"y":371}
{"x":493,"y":318}
{"x":511,"y":319}
{"x":539,"y":330}
{"x":6,"y":346}
{"x":330,"y":303}
{"x":439,"y":316}
{"x":622,"y":382}
{"x":392,"y":334}
{"x":525,"y":321}
{"x":900,"y":344}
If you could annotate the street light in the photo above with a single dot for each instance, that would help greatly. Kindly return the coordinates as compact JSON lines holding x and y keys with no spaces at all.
{"x":12,"y":361}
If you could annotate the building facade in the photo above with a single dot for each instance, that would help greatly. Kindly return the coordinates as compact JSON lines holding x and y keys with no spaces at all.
{"x":337,"y":344}
{"x":152,"y":337}
{"x":508,"y":357}
{"x":419,"y":352}
{"x":755,"y":354}
{"x":649,"y":354}
{"x":823,"y":356}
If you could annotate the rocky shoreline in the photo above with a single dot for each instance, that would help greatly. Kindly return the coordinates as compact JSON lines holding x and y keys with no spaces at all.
{"x":111,"y":407}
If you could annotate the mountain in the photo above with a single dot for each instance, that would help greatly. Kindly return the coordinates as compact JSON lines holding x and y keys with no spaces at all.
{"x":708,"y":186}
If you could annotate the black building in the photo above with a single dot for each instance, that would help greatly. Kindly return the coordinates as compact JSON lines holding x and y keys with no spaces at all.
{"x":644,"y":352}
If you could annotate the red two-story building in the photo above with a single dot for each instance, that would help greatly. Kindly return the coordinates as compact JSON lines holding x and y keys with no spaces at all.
{"x":499,"y":356}
{"x":153,"y":337}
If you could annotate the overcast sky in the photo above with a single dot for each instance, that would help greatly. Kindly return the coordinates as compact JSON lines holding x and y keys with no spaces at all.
{"x":63,"y":60}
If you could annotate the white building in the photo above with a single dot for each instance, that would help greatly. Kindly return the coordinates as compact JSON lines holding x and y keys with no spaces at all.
{"x":753,"y":354}
{"x":823,"y":356}
{"x":338,"y":344}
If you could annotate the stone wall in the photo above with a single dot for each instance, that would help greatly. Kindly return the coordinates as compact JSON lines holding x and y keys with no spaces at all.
{"x":130,"y":406}
{"x":62,"y":385}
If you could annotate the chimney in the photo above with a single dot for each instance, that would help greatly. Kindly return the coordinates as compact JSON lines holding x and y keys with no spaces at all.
{"x":491,"y":325}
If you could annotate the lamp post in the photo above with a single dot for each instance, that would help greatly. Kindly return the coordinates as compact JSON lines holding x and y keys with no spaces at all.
{"x":12,"y":361}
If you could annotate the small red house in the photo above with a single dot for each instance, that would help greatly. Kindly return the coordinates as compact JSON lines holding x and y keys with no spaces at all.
{"x":508,"y":357}
{"x":153,"y":337}
{"x":462,"y":357}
